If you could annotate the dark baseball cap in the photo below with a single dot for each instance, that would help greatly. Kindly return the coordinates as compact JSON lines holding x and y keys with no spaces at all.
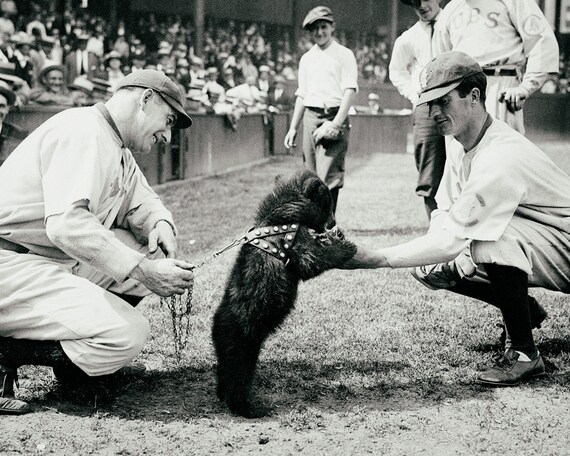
{"x":319,"y":13}
{"x":415,"y":3}
{"x":444,"y":73}
{"x":163,"y":85}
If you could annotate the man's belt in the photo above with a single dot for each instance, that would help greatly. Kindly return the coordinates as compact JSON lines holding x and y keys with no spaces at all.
{"x":326,"y":111}
{"x":497,"y":71}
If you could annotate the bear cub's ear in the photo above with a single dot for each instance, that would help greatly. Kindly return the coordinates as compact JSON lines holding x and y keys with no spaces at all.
{"x":314,"y":188}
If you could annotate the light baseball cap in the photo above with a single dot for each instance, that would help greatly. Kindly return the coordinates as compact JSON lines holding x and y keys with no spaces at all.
{"x":444,"y":73}
{"x":158,"y":81}
{"x":319,"y":13}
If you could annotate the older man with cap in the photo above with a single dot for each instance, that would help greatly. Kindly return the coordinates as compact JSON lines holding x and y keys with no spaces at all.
{"x":327,"y":86}
{"x":83,"y":237}
{"x":412,"y":51}
{"x":502,"y":221}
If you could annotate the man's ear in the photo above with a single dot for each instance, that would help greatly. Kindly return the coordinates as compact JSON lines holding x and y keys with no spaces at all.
{"x":475,"y":95}
{"x":145,"y":97}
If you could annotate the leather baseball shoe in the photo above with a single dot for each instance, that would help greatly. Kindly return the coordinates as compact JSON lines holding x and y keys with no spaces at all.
{"x":9,"y":405}
{"x":512,"y":368}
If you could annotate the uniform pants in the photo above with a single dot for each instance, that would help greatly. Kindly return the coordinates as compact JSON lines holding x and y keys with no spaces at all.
{"x":48,"y":299}
{"x":540,"y":250}
{"x":429,"y":152}
{"x":327,"y":160}
{"x":496,"y":84}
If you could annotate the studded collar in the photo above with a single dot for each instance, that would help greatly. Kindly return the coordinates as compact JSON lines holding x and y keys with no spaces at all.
{"x":275,"y":240}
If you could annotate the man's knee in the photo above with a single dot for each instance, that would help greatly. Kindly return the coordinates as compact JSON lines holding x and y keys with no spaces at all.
{"x":107,"y":352}
{"x":131,"y":336}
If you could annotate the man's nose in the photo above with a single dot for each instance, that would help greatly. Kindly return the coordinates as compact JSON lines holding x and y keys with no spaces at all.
{"x":167,"y":135}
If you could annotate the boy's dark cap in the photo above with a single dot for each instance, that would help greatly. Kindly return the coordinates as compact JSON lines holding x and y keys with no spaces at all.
{"x":319,"y":13}
{"x":158,"y":81}
{"x":413,"y":3}
{"x":445,"y":73}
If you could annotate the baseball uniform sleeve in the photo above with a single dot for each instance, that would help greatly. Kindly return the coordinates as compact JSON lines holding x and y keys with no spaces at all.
{"x":80,"y":235}
{"x":539,"y":43}
{"x":441,"y":41}
{"x":399,"y":69}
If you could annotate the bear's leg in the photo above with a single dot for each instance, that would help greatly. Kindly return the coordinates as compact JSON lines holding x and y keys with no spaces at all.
{"x":237,"y":349}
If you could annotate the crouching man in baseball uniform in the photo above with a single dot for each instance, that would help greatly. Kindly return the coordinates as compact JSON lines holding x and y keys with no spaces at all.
{"x":83,"y":237}
{"x":502,"y":221}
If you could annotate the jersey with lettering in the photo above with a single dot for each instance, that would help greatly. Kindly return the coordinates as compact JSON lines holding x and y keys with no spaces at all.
{"x":498,"y":33}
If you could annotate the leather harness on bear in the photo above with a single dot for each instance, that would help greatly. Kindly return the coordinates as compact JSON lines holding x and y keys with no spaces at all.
{"x":276,"y":240}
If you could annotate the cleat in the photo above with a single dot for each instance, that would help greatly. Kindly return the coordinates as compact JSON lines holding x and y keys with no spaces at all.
{"x":511,"y":369}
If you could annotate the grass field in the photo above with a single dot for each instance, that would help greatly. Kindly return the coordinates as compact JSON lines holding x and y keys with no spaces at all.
{"x":370,"y":362}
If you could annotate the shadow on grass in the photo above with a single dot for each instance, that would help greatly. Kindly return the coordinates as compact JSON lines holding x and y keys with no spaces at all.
{"x":189,"y":393}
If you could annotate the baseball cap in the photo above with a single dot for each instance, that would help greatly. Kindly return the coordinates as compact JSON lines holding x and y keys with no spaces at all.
{"x":156,"y":80}
{"x":444,"y":73}
{"x":316,"y":14}
{"x":411,"y":2}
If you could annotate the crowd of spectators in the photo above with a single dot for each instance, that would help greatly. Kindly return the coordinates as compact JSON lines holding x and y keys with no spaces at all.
{"x":77,"y":58}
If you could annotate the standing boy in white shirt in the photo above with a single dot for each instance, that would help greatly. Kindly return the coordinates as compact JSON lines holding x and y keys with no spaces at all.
{"x":327,"y":86}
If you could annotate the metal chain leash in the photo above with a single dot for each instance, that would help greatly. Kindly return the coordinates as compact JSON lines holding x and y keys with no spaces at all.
{"x":180,"y":306}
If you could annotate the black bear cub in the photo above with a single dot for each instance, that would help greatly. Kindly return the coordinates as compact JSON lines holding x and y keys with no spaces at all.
{"x":292,"y":240}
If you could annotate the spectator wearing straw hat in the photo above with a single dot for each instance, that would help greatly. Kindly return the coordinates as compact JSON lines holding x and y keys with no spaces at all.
{"x":83,"y":237}
{"x":183,"y":72}
{"x":228,"y":80}
{"x":53,"y":88}
{"x":212,"y":84}
{"x":247,"y":93}
{"x":113,"y":64}
{"x":327,"y":87}
{"x":81,"y":91}
{"x":24,"y":65}
{"x":10,"y":135}
{"x":264,"y":82}
{"x":374,"y":104}
{"x":138,"y":60}
{"x":196,"y":69}
{"x":41,"y":55}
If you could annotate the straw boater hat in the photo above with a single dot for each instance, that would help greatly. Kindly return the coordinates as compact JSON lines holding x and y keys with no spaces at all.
{"x":113,"y":55}
{"x":83,"y":84}
{"x":48,"y":68}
